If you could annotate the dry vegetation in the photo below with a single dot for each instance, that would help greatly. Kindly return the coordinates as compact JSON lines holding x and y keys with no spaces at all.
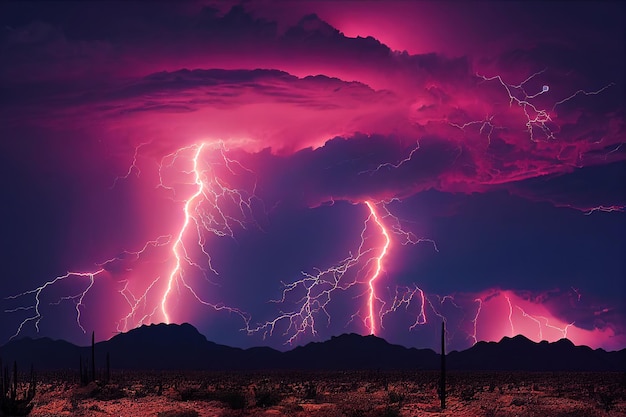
{"x":336,"y":394}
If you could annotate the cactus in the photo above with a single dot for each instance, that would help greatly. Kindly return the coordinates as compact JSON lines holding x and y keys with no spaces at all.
{"x":87,"y":370}
{"x":88,"y":373}
{"x":442,"y":380}
{"x":10,"y":403}
{"x":93,"y":357}
{"x":84,"y":372}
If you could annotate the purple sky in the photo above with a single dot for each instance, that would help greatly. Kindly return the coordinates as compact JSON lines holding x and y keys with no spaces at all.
{"x":276,"y":173}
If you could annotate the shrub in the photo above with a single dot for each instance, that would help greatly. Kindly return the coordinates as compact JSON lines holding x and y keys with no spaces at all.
{"x":310,"y":391}
{"x":606,"y":401}
{"x":235,"y":400}
{"x":108,"y":393}
{"x":395,"y":397}
{"x":468,"y":393}
{"x":266,"y":397}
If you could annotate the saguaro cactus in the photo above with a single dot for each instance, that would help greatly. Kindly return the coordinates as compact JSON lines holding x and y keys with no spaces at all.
{"x":84,"y":372}
{"x":442,"y":379}
{"x":93,"y":357}
{"x":10,"y":403}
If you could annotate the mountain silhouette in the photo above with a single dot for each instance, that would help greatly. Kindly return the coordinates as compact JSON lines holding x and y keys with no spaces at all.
{"x":182,"y":347}
{"x":520,"y":353}
{"x":352,"y":351}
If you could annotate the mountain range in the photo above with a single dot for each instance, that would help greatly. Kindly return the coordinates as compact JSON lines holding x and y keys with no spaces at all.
{"x":182,"y":347}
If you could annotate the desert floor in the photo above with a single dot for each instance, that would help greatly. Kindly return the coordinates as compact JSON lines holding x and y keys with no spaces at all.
{"x":350,"y":394}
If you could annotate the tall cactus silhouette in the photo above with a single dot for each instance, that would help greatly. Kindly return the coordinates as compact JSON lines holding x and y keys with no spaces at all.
{"x":10,"y":404}
{"x":93,"y":357}
{"x":442,"y":379}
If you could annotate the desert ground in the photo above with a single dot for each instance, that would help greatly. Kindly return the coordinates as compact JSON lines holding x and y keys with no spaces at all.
{"x":330,"y":394}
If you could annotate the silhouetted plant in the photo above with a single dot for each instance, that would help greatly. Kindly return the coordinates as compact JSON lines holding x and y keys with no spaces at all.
{"x":310,"y":391}
{"x":87,"y":369}
{"x":10,"y":403}
{"x":83,"y":372}
{"x":606,"y":401}
{"x":442,"y":378}
{"x":107,"y":392}
{"x":395,"y":397}
{"x":234,"y":399}
{"x":468,"y":393}
{"x":264,"y":396}
{"x":192,"y":393}
{"x":93,"y":357}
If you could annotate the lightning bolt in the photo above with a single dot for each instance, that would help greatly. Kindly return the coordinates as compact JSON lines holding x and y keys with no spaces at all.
{"x":537,"y":320}
{"x":134,"y":305}
{"x":605,"y":209}
{"x":378,"y":268}
{"x":486,"y":126}
{"x":404,"y":297}
{"x":133,"y":167}
{"x":37,"y":292}
{"x":213,"y":207}
{"x":536,"y":118}
{"x":508,"y":301}
{"x":360,"y":269}
{"x":390,"y":165}
{"x":475,"y":320}
{"x":178,"y":243}
{"x":318,"y":290}
{"x":206,"y":211}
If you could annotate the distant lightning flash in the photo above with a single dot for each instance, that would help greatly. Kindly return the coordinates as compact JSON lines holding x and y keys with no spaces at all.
{"x":537,"y":118}
{"x":37,"y":315}
{"x":404,"y":297}
{"x":507,"y":311}
{"x":78,"y":298}
{"x":605,"y":209}
{"x":361,"y":269}
{"x":475,"y":320}
{"x":508,"y":301}
{"x":486,"y":126}
{"x":391,"y":166}
{"x":213,"y":207}
{"x":318,"y":291}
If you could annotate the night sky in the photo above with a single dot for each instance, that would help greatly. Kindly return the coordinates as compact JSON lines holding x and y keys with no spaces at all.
{"x":277,"y":173}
